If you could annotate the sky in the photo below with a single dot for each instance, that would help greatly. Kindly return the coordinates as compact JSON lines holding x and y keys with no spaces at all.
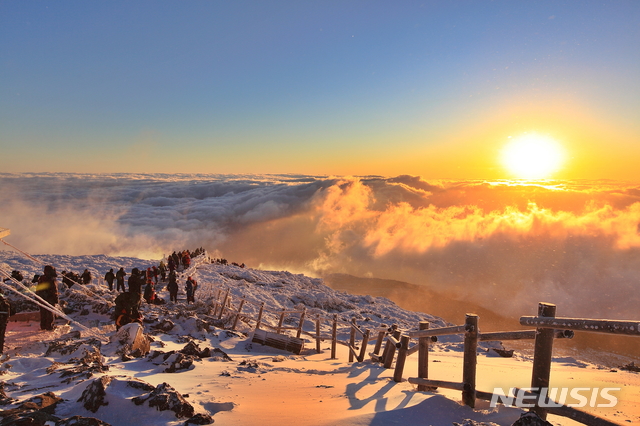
{"x":431,"y":89}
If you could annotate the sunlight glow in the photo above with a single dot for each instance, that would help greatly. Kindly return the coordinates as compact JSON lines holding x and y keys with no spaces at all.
{"x":533,"y":156}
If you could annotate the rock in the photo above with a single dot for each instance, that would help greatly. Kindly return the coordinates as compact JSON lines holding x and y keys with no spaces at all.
{"x":83,"y":367}
{"x":530,"y":419}
{"x":94,"y":395}
{"x":178,"y":362}
{"x":165,"y":397}
{"x":36,"y":411}
{"x":81,"y":421}
{"x":4,"y":399}
{"x":191,"y":348}
{"x":199,"y":419}
{"x":165,"y":325}
{"x":131,"y":342}
{"x":29,"y":418}
{"x":46,"y":403}
{"x":220,"y":355}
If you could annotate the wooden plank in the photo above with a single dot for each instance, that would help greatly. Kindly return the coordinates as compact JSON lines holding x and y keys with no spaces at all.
{"x":278,"y":341}
{"x":631,"y":328}
{"x":459,"y":329}
{"x":436,"y":383}
{"x":520,"y":335}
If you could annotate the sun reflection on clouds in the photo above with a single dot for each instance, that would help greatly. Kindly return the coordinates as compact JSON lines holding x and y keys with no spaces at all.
{"x":493,"y":236}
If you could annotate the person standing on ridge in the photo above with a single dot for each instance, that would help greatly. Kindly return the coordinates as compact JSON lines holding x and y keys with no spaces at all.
{"x":120,"y":279}
{"x":47,"y":289}
{"x":109,"y":277}
{"x":172,"y":286}
{"x":86,"y":277}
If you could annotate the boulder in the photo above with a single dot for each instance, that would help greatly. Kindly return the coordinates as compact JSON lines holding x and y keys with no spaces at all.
{"x":165,"y":397}
{"x":94,"y":395}
{"x":81,"y":421}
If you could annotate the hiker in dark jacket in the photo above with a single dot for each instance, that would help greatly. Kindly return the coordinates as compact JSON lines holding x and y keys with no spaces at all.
{"x":109,"y":277}
{"x":172,"y":286}
{"x":47,"y":289}
{"x":190,"y":289}
{"x":150,"y":292}
{"x":120,"y":279}
{"x":127,"y":309}
{"x":86,"y":277}
{"x":135,"y":281}
{"x":163,"y":270}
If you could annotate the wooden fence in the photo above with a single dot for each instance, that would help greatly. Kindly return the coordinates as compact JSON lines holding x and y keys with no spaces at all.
{"x":548,"y":328}
{"x":224,"y":303}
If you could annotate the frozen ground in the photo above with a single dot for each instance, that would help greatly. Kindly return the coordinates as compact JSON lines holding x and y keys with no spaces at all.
{"x":258,"y":385}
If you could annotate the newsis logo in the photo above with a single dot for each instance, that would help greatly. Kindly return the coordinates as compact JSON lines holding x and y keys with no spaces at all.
{"x":548,"y":397}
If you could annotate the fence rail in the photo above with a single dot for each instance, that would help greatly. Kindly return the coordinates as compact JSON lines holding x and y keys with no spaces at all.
{"x":548,"y":328}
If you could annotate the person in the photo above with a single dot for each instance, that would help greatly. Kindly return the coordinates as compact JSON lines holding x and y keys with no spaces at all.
{"x":172,"y":286}
{"x":171,"y":263}
{"x":150,"y":292}
{"x":47,"y":289}
{"x":190,"y":289}
{"x":156,"y":272}
{"x":120,"y":279}
{"x":149,"y":276}
{"x":109,"y":277}
{"x":16,"y":275}
{"x":186,"y":260}
{"x":5,"y":313}
{"x":127,"y":309}
{"x":86,"y":277}
{"x":135,"y":281}
{"x":163,"y":270}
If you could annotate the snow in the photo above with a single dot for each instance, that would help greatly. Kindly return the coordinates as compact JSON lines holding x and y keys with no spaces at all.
{"x":261,"y":385}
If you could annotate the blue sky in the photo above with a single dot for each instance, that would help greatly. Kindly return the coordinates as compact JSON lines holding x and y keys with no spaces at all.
{"x":344,"y":87}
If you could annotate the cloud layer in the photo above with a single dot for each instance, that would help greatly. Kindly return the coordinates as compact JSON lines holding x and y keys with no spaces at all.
{"x":503,"y":245}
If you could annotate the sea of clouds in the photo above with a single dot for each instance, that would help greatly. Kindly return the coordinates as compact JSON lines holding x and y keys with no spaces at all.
{"x":504,"y":245}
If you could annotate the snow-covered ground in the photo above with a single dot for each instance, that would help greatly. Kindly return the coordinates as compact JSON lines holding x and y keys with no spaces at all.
{"x":254,"y":384}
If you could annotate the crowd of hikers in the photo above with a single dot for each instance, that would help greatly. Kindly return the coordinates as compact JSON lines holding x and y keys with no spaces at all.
{"x":141,"y":285}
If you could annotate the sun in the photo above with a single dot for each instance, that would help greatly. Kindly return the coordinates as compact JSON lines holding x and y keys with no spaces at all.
{"x":533,"y":156}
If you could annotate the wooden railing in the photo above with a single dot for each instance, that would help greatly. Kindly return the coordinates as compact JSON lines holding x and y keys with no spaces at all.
{"x":548,"y":328}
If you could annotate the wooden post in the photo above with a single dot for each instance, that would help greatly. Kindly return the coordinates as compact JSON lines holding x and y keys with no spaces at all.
{"x":402,"y":356}
{"x":216,"y":303}
{"x":352,"y":338}
{"x":376,"y":349}
{"x":423,"y":357}
{"x":302,"y":315}
{"x":259,"y":320}
{"x":318,"y":334}
{"x":470,"y":360}
{"x":224,"y":303}
{"x":235,"y":321}
{"x":334,"y":336}
{"x":365,"y":342}
{"x":542,"y":352}
{"x":387,"y":345}
{"x":388,"y":360}
{"x":280,"y":321}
